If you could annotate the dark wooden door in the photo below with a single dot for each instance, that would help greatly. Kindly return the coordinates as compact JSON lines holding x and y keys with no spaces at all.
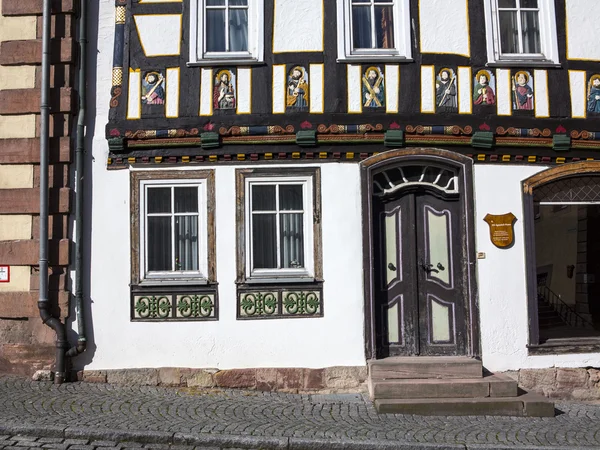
{"x":420,"y":309}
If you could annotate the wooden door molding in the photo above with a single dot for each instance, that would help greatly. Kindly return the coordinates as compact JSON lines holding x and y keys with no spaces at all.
{"x":463,"y":166}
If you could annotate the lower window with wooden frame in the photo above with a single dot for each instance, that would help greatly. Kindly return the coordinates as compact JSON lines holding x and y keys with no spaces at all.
{"x":173,"y":246}
{"x":279,"y":268}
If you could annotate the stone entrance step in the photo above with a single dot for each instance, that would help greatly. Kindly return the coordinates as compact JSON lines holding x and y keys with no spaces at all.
{"x":419,"y":367}
{"x":526,"y":405}
{"x":490,"y":386}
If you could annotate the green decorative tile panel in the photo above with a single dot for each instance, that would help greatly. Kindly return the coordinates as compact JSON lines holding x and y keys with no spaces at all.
{"x":196,"y":306}
{"x":280,"y":302}
{"x":152,"y":307}
{"x":174,"y":303}
{"x":301,"y":302}
{"x":256,"y":304}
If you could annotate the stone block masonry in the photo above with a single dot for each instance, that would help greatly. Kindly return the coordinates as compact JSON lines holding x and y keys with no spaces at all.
{"x":27,"y":345}
{"x":289,"y":380}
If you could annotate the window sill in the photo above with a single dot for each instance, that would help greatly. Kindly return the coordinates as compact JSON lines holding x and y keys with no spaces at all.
{"x":174,"y":282}
{"x":281,"y":280}
{"x":374,"y":58}
{"x":566,"y":346}
{"x":229,"y":61}
{"x":523,"y":63}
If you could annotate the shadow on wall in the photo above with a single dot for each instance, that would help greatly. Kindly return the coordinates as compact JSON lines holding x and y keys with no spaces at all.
{"x":80,"y":361}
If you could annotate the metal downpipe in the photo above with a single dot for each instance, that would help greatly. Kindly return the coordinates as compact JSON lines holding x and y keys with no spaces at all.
{"x":79,"y":154}
{"x":43,"y":303}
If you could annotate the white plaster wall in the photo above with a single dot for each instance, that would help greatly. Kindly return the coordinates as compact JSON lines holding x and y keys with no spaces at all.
{"x":335,"y":339}
{"x":583,"y":33}
{"x":501,"y":277}
{"x":444,"y":26}
{"x":298,"y":26}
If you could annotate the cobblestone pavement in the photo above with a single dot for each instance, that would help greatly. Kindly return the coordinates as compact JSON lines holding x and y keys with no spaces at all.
{"x":249,"y":419}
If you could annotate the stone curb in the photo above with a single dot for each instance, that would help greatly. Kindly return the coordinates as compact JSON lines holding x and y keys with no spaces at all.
{"x":250,"y":442}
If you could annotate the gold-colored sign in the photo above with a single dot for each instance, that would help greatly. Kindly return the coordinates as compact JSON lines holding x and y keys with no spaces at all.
{"x":502,"y":232}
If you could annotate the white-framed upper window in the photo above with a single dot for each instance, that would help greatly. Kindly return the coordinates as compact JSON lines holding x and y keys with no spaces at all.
{"x":373,"y":29}
{"x":173,"y":230}
{"x":521,"y":31}
{"x":279,"y":227}
{"x":227,"y":31}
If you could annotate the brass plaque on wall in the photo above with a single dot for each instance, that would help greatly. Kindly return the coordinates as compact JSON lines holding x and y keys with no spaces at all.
{"x":502,"y":232}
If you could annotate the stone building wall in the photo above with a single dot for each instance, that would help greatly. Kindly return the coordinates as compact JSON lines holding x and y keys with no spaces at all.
{"x":26,"y":344}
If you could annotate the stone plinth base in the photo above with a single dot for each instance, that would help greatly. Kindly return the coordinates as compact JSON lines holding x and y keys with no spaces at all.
{"x":293,"y":380}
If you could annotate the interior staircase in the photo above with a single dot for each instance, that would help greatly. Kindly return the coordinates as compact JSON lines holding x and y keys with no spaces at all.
{"x":448,"y":386}
{"x":548,"y":317}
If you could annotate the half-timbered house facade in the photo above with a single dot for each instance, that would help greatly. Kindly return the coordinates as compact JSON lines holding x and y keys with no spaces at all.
{"x":315,"y":184}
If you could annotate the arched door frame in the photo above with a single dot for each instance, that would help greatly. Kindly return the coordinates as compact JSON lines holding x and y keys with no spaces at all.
{"x":540,"y":179}
{"x":440,"y":158}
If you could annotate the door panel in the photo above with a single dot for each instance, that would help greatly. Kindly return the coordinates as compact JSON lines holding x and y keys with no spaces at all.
{"x":396,"y":309}
{"x":421,"y":301}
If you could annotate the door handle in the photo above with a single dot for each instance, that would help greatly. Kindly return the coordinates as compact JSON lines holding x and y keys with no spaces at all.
{"x":392,"y":267}
{"x":427,"y":267}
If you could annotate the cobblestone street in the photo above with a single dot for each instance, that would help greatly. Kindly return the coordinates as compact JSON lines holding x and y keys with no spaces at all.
{"x":249,"y":419}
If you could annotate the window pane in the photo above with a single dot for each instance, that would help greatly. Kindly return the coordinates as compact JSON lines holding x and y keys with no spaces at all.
{"x":361,"y":27}
{"x":159,"y":200}
{"x":263,"y":198}
{"x":159,"y":243}
{"x":238,"y":30}
{"x":215,"y":2}
{"x":290,"y":197}
{"x":264,"y":237}
{"x":507,"y":3}
{"x":215,"y":30}
{"x":509,"y":34}
{"x":531,"y":32}
{"x":238,"y":2}
{"x":292,"y":241}
{"x":186,"y":243}
{"x":529,"y":3}
{"x":186,"y":199}
{"x":384,"y":27}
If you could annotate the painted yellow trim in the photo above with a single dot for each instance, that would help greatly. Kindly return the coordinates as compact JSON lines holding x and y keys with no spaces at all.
{"x":237,"y":81}
{"x":396,"y":89}
{"x":310,"y":66}
{"x":468,"y":55}
{"x":349,"y":87}
{"x":178,"y":40}
{"x":585,"y":92}
{"x":167,"y":90}
{"x":470,"y":78}
{"x":273,"y":88}
{"x":139,"y":99}
{"x":299,"y":51}
{"x":547,"y":97}
{"x":432,"y":87}
{"x":510,"y":94}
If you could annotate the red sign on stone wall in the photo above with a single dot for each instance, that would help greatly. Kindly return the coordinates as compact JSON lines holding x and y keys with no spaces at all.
{"x":4,"y":274}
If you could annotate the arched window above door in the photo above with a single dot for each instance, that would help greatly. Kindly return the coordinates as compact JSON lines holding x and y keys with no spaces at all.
{"x":390,"y":180}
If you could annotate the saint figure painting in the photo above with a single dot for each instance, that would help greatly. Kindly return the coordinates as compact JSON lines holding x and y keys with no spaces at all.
{"x":593,"y":95}
{"x":224,"y":91}
{"x":297,"y":89}
{"x":483,"y":94}
{"x":445,"y":91}
{"x":153,"y":90}
{"x":522,"y":91}
{"x":373,"y":88}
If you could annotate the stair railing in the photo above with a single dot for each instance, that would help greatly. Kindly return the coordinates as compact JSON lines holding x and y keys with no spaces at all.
{"x":566,"y":312}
